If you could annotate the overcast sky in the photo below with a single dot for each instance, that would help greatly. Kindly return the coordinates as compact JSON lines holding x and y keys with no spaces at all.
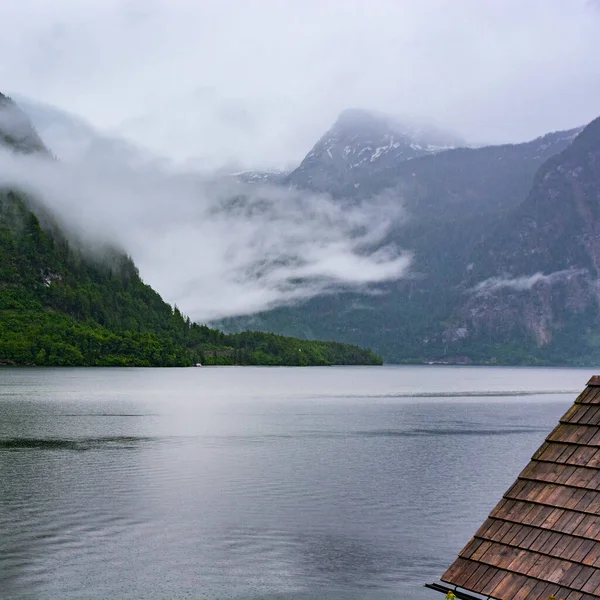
{"x":256,"y":82}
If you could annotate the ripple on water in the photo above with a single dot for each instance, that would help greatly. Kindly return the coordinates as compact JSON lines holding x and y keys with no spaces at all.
{"x":79,"y":444}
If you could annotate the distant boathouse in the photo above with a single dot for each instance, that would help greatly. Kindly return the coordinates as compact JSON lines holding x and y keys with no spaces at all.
{"x":542,"y":540}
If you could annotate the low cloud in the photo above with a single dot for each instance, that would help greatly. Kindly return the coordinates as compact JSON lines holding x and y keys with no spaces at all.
{"x":216,"y":247}
{"x":525,"y":282}
{"x":222,"y":82}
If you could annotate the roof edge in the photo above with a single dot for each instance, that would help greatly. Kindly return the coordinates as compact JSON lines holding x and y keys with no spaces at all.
{"x":594,"y":381}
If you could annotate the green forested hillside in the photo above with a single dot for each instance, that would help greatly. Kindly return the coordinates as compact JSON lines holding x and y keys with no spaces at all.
{"x":59,"y":307}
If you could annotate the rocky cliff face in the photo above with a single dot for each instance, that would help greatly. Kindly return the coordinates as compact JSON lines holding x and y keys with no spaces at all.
{"x":536,"y":277}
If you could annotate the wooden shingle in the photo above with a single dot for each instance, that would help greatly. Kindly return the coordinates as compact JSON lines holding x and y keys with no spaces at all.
{"x":543,"y":537}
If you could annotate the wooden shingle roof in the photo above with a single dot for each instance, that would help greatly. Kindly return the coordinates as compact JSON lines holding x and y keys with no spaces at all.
{"x":543,"y":537}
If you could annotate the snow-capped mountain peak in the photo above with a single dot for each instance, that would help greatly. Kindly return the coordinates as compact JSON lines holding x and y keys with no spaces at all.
{"x":362,"y":139}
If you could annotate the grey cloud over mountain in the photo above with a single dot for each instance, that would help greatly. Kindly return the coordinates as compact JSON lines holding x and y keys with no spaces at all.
{"x":216,"y":247}
{"x":227,"y":83}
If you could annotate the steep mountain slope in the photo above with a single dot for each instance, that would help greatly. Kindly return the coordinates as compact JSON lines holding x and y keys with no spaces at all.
{"x":535,"y":281}
{"x":16,"y":130}
{"x":61,"y":307}
{"x":362,"y":142}
{"x":452,"y":199}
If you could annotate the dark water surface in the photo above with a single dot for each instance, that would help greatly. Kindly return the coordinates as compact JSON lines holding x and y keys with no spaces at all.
{"x":256,"y":482}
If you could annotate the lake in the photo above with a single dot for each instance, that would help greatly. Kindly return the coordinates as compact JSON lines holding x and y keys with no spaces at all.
{"x":349,"y":482}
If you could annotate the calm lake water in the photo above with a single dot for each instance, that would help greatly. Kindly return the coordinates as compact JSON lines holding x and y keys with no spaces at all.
{"x":257,"y":482}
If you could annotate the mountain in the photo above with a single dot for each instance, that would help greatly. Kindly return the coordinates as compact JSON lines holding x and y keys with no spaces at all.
{"x":362,"y":142}
{"x":453,"y":201}
{"x":535,"y":281}
{"x":62,"y":306}
{"x":504,"y":241}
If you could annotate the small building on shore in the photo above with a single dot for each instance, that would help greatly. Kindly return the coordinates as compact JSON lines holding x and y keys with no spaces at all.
{"x":542,"y":540}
